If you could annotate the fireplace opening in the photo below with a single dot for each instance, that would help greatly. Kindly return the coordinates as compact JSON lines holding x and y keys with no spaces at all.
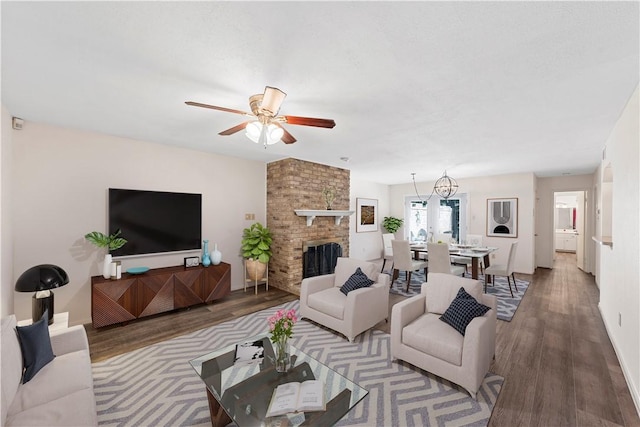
{"x":319,"y":257}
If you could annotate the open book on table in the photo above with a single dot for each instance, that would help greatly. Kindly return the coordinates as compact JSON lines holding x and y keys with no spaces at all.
{"x":297,"y":397}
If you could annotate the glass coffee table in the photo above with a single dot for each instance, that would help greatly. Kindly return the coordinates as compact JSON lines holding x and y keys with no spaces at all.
{"x":241,"y":394}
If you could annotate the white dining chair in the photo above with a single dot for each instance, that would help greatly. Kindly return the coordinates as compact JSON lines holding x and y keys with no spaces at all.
{"x":387,"y":254}
{"x":402,"y":260}
{"x":440,"y":260}
{"x":503,"y":270}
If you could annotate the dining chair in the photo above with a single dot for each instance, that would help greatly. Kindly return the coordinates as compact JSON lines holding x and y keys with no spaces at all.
{"x":440,"y":260}
{"x":387,"y":249}
{"x":503,"y":270}
{"x":402,"y":260}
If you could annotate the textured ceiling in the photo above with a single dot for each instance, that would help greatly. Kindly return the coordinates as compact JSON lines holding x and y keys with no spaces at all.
{"x":477,"y":88}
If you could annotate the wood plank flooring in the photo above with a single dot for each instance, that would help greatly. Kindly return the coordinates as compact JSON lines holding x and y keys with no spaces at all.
{"x":559,"y":365}
{"x":118,"y":339}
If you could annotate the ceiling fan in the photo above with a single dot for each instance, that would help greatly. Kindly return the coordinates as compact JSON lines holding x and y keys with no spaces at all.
{"x":265,"y":125}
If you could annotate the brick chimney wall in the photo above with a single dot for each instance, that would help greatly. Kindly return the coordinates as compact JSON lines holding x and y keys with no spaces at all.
{"x":295,"y":184}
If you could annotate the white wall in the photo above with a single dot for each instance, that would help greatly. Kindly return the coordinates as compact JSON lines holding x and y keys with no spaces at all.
{"x":367,"y":246}
{"x":545,"y":208}
{"x":6,"y":243}
{"x":478,"y":190}
{"x":619,"y":269}
{"x":60,"y":182}
{"x":568,"y":199}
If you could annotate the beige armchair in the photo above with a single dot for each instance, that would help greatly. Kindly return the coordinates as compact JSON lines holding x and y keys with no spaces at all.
{"x":419,"y":337}
{"x":322,"y":301}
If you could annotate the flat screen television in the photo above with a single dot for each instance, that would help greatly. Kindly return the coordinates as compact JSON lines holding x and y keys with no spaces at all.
{"x":155,"y":221}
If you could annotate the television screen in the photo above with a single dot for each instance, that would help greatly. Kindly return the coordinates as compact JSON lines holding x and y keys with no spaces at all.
{"x":155,"y":221}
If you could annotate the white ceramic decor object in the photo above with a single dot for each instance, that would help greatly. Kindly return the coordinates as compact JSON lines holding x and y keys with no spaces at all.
{"x":216,"y":255}
{"x":106,"y":266}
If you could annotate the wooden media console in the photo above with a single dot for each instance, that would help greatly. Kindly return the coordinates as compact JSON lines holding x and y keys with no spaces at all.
{"x":157,"y":291}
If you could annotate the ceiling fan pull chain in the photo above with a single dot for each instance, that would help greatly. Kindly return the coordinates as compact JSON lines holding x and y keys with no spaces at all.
{"x":263,"y":136}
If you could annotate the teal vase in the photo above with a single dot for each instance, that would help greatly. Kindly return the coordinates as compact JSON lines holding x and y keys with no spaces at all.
{"x":206,"y":260}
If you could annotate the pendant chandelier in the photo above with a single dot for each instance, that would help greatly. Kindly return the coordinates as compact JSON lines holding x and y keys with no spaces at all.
{"x":444,"y":187}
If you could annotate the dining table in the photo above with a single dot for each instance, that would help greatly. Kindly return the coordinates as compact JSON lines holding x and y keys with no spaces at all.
{"x":476,"y":253}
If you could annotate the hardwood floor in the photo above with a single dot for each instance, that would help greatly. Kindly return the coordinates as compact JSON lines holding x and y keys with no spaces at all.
{"x":114,"y":340}
{"x":559,"y":366}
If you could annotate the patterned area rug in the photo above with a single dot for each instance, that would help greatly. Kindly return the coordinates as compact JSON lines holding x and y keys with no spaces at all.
{"x":156,"y":386}
{"x":507,"y":305}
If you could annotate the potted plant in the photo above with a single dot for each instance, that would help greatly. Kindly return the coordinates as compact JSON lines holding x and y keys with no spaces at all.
{"x":256,"y":250}
{"x":392,"y":224}
{"x":329,"y":194}
{"x":111,"y":242}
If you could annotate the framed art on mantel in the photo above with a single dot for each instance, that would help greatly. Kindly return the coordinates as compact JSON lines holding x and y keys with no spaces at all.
{"x":502,"y":217}
{"x":366,"y":215}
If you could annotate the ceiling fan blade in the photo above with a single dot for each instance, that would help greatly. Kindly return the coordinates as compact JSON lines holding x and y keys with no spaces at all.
{"x":309,"y":121}
{"x":287,"y":138}
{"x":214,"y":107}
{"x":234,"y":129}
{"x":272,"y":100}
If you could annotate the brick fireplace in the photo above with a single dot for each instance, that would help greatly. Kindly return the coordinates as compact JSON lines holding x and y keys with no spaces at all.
{"x":295,"y":184}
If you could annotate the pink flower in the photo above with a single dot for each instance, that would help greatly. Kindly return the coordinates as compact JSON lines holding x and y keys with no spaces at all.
{"x":281,"y":324}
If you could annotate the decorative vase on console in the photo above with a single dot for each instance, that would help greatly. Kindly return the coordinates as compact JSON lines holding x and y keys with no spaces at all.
{"x":111,"y":242}
{"x":216,"y":255}
{"x":106,"y":266}
{"x":206,"y":260}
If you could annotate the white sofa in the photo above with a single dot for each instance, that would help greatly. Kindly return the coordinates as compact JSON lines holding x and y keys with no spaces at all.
{"x":351,"y":314}
{"x":60,"y":394}
{"x":419,"y":337}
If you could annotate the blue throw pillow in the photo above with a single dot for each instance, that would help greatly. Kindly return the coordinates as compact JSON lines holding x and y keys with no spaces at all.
{"x":463,"y":309}
{"x":356,"y":281}
{"x":36,"y":347}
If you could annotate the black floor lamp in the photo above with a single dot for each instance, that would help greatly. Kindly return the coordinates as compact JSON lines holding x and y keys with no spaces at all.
{"x":41,"y":279}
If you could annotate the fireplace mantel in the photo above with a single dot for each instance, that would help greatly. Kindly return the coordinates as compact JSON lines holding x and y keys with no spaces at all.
{"x":311,"y":214}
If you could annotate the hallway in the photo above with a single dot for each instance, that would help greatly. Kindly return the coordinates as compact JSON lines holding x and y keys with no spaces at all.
{"x":559,"y":365}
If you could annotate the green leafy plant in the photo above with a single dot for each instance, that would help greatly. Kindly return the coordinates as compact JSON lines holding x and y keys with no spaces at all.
{"x":256,"y":243}
{"x":101,"y":240}
{"x":392,"y":224}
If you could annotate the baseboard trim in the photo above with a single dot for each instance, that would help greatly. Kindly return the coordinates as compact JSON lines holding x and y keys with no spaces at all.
{"x":635,"y":395}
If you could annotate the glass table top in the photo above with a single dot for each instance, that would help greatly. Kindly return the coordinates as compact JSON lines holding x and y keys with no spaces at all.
{"x":244,"y":391}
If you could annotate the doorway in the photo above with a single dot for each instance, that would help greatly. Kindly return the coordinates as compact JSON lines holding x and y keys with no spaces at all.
{"x":569,"y":225}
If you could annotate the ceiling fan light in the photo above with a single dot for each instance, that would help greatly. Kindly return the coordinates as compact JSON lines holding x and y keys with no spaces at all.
{"x":253,"y":131}
{"x":275,"y":134}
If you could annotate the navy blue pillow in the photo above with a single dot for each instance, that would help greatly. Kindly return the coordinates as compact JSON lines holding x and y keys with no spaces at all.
{"x":463,"y":309}
{"x":35,"y":344}
{"x":356,"y":281}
